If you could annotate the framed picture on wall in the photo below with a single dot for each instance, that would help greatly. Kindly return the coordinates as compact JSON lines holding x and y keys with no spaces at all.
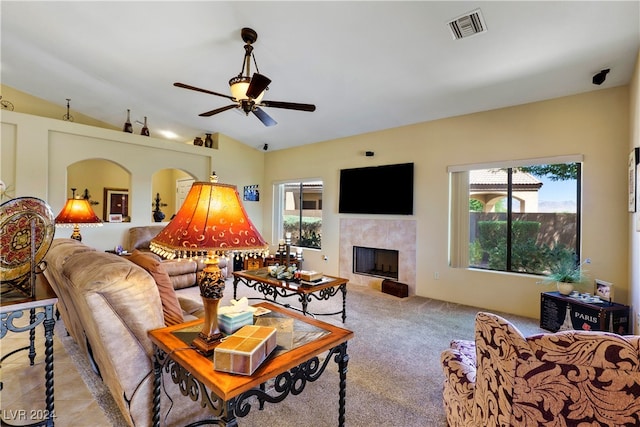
{"x":634,"y":158}
{"x":116,"y":202}
{"x":251,"y":193}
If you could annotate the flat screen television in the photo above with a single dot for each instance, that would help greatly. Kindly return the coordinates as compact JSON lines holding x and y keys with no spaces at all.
{"x":378,"y":190}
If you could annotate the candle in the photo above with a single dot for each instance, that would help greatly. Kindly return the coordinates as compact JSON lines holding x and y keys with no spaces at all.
{"x":298,"y":250}
{"x":287,"y":235}
{"x":281,"y":241}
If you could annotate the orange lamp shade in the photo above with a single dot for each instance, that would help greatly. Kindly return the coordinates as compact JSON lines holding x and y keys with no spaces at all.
{"x":77,"y":211}
{"x":211,"y":219}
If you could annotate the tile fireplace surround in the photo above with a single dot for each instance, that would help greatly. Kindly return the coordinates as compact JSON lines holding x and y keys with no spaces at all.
{"x":399,"y":235}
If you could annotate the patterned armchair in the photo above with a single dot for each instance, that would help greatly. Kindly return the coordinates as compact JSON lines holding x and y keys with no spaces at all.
{"x":570,"y":378}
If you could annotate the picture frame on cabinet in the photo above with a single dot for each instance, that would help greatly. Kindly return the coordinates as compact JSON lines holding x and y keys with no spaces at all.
{"x":603,"y":290}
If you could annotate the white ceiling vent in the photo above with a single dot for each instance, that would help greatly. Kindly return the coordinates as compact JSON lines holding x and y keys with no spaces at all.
{"x":467,"y":25}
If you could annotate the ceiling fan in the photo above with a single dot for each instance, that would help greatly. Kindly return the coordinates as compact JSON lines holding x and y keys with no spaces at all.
{"x":246,"y":91}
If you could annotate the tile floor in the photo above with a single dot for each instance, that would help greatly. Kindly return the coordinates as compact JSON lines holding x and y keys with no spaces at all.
{"x":23,"y":390}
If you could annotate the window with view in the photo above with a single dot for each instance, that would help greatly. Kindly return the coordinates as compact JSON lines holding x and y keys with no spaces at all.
{"x":519,"y":218}
{"x":301,"y":213}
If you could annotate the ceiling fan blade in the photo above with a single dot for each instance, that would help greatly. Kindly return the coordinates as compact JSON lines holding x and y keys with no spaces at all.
{"x":259,"y":83}
{"x":218,"y":110}
{"x":264,"y":117}
{"x":289,"y":105}
{"x":185,"y":86}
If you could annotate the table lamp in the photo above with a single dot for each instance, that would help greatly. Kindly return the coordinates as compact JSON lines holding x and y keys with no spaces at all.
{"x":211,"y":222}
{"x":76,"y":212}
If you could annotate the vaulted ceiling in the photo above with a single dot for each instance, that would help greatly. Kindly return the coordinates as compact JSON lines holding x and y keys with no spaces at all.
{"x":366,"y":66}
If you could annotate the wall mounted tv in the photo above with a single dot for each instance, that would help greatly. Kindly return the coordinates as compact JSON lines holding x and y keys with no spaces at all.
{"x":378,"y":190}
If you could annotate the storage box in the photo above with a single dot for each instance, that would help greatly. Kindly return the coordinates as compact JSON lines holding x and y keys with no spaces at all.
{"x":231,"y":322}
{"x":310,"y":276}
{"x":244,"y":351}
{"x":397,"y":289}
{"x":284,"y":329}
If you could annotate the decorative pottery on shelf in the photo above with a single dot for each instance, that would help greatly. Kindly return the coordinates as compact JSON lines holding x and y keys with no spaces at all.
{"x":208,"y":141}
{"x":128,"y":127}
{"x":145,"y":128}
{"x":565,"y":288}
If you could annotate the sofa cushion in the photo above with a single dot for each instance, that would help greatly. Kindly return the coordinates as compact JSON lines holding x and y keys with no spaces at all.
{"x":191,"y":309}
{"x":182,"y":272}
{"x":170,"y":305}
{"x":140,"y":237}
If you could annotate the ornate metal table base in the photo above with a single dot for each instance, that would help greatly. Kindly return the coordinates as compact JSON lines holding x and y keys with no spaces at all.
{"x":226,"y":412}
{"x":44,"y":417}
{"x":271,"y":294}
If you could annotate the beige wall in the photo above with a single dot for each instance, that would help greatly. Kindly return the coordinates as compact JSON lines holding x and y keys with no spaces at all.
{"x":25,"y":103}
{"x":164,"y":184}
{"x":594,"y":124}
{"x":37,"y":151}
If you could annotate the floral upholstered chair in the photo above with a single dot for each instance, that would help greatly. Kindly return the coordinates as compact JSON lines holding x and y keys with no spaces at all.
{"x":570,"y":378}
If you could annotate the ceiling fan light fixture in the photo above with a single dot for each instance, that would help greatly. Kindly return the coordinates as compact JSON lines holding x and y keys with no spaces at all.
{"x":247,"y":92}
{"x":239,"y":86}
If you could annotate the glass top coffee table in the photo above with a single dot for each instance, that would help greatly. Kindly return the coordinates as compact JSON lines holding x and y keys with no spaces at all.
{"x":272,"y":288}
{"x":294,"y":362}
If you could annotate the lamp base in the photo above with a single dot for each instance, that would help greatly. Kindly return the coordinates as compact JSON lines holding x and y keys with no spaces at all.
{"x":210,"y":336}
{"x":76,"y":233}
{"x":206,"y":345}
{"x":211,"y":289}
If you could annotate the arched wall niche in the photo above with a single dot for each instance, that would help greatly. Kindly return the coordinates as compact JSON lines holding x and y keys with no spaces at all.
{"x":164,"y":183}
{"x":102,"y":180}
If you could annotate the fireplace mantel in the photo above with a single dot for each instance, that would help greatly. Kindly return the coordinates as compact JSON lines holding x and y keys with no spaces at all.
{"x":397,"y":235}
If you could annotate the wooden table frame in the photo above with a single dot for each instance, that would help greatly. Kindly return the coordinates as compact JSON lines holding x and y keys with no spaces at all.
{"x":229,"y":394}
{"x":13,"y":309}
{"x":273,"y":288}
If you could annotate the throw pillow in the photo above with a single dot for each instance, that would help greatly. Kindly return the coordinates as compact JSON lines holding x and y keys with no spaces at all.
{"x":170,"y":305}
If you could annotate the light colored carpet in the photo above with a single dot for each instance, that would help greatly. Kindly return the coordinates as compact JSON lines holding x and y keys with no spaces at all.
{"x":394,"y":375}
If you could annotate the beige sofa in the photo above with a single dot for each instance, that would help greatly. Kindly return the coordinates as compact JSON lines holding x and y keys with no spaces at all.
{"x":182,"y":274}
{"x":570,"y":378}
{"x":108,"y":304}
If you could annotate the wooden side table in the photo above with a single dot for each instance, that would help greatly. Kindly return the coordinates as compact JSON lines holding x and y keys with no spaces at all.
{"x":228,"y":396}
{"x":12,"y":309}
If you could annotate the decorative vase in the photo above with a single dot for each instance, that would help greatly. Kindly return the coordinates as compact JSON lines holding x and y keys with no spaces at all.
{"x":145,"y":129}
{"x":128,"y":127}
{"x":208,"y":141}
{"x":198,"y":141}
{"x":158,"y":216}
{"x":565,"y":288}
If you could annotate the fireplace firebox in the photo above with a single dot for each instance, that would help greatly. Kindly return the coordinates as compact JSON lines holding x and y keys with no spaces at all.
{"x":375,"y":262}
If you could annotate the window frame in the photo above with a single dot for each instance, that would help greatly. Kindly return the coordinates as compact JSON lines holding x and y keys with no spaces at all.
{"x":278,"y":207}
{"x":459,"y":217}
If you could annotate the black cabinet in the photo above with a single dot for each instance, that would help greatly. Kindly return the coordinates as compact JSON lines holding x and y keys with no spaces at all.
{"x":560,"y":312}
